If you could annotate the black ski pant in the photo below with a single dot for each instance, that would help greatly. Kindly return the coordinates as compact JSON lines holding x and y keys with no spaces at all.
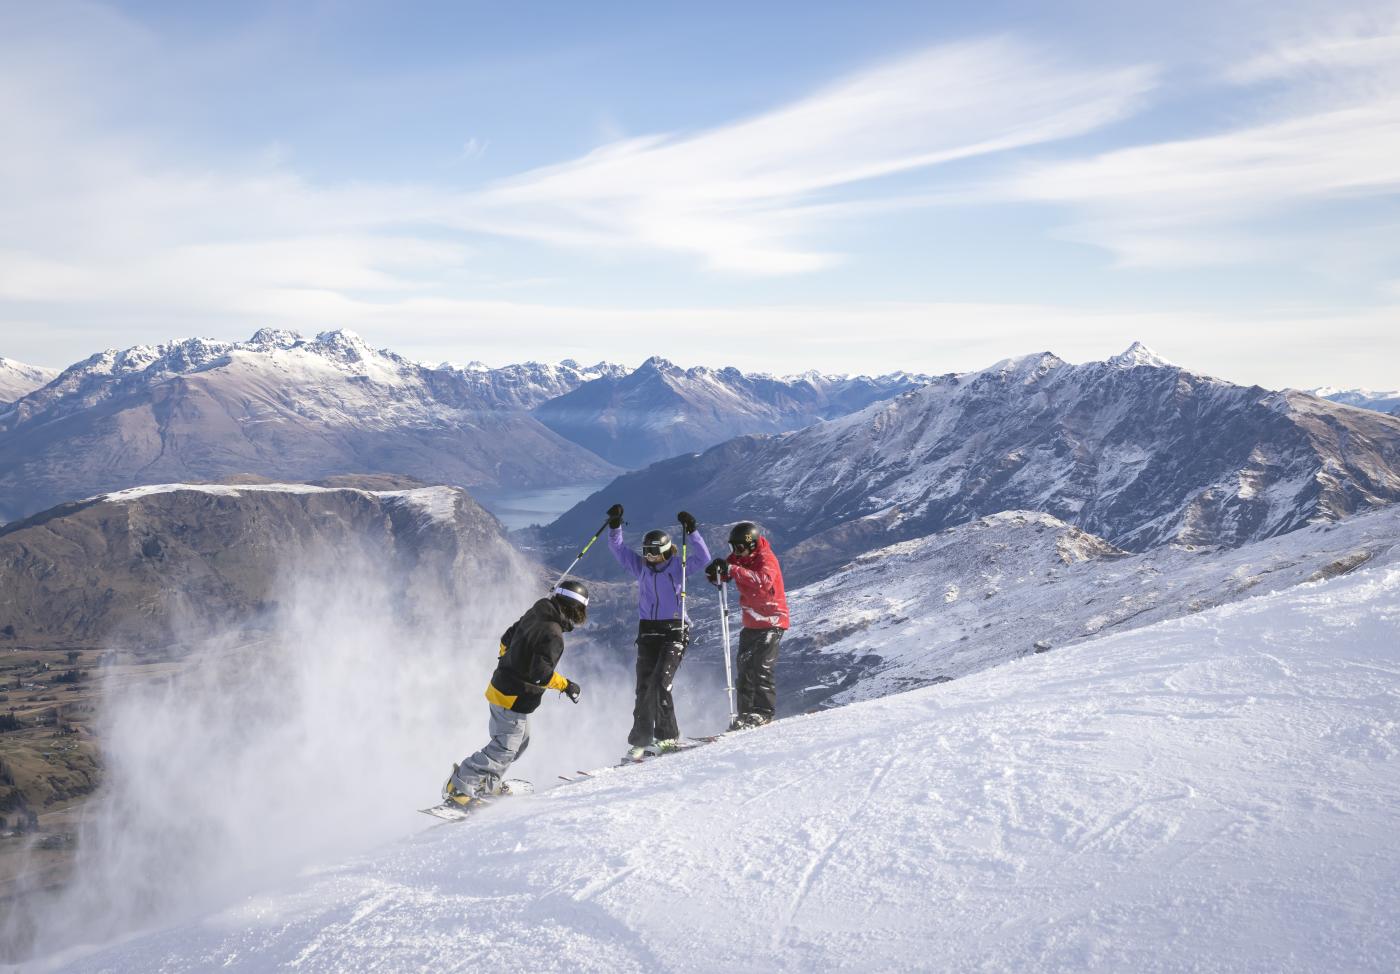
{"x":758,"y":658}
{"x":660,"y":649}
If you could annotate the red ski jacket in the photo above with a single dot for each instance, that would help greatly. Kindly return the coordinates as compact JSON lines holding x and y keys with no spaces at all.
{"x":760,"y":582}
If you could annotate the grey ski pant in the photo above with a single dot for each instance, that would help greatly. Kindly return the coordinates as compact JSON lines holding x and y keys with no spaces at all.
{"x":758,"y":658}
{"x":510,"y":736}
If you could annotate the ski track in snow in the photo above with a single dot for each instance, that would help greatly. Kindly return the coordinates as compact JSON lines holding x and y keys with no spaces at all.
{"x":1219,"y":792}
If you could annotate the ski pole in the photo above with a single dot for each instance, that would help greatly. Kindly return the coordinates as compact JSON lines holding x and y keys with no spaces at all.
{"x":724,"y":632}
{"x":595,"y":537}
{"x":685,"y":539}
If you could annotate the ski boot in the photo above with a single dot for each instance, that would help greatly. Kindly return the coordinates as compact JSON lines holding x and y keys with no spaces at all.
{"x":661,"y":747}
{"x":749,"y":721}
{"x":459,"y":792}
{"x":634,"y":754}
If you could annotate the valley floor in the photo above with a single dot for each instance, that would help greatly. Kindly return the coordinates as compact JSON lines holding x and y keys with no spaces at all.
{"x":1211,"y":793}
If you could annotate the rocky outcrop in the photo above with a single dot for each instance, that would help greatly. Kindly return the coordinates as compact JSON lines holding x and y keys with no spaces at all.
{"x":142,"y":565}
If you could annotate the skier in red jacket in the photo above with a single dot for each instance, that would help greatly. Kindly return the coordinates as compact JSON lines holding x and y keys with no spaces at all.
{"x":754,"y":568}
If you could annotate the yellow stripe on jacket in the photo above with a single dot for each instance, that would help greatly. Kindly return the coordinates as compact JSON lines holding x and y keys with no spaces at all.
{"x":498,"y":698}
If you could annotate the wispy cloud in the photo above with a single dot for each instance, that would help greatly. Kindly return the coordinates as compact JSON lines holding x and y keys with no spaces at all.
{"x":1331,"y":133}
{"x":1179,"y":203}
{"x":736,"y":195}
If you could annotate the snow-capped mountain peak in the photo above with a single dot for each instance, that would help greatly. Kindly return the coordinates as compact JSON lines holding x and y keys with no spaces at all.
{"x":1029,"y":366}
{"x":18,"y":379}
{"x":1138,"y":354}
{"x":345,"y":344}
{"x":275,"y":338}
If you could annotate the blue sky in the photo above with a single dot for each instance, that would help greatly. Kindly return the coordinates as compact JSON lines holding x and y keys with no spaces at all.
{"x":777,"y":186}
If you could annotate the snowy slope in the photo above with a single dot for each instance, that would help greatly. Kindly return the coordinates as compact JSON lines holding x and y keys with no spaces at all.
{"x":1134,"y":450}
{"x":1214,"y":793}
{"x":1018,"y":583}
{"x":18,"y":379}
{"x":279,"y":406}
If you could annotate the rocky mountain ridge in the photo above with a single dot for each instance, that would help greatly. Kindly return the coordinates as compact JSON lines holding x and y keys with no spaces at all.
{"x":1139,"y":453}
{"x":526,"y":385}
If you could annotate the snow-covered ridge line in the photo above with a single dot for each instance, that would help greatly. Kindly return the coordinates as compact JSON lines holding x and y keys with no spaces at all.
{"x":438,"y":503}
{"x":231,"y":490}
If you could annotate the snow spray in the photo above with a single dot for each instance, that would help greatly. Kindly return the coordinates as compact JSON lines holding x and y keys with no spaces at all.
{"x":258,"y":757}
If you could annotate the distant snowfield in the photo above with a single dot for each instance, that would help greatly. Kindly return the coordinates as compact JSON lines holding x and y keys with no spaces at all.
{"x":1219,"y":792}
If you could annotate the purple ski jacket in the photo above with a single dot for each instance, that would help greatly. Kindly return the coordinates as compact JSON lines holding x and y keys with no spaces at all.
{"x":659,"y":587}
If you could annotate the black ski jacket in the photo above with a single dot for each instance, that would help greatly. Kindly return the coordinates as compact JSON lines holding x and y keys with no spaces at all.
{"x":530,"y":651}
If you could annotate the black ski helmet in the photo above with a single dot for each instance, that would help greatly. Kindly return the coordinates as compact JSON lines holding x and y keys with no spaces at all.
{"x":743,"y":537}
{"x":571,"y":596}
{"x":657,"y":543}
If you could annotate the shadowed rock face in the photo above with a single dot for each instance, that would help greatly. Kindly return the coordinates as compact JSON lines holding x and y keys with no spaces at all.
{"x":139,"y":566}
{"x":279,"y":406}
{"x":661,"y":410}
{"x":1140,"y":454}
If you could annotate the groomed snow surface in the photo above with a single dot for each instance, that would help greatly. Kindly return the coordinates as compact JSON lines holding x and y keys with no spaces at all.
{"x":1219,"y":792}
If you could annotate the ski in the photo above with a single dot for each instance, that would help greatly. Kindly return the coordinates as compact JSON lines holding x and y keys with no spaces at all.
{"x":688,"y":744}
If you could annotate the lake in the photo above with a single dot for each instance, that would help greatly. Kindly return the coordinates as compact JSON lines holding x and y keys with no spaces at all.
{"x":516,"y":508}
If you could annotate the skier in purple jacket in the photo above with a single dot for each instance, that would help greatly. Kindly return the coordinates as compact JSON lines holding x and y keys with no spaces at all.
{"x":661,"y":632}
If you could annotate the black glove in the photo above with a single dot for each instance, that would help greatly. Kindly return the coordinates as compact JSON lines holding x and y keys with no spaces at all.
{"x":687,"y":521}
{"x":573,"y":691}
{"x":615,"y":516}
{"x":717,"y":571}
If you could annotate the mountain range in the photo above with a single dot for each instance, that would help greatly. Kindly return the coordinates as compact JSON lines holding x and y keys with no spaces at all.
{"x":288,"y":408}
{"x":277,"y":406}
{"x":528,"y":384}
{"x":1135,"y":450}
{"x":660,"y":410}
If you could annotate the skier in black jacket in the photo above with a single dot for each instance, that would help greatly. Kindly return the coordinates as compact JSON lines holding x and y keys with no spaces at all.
{"x":530,"y":651}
